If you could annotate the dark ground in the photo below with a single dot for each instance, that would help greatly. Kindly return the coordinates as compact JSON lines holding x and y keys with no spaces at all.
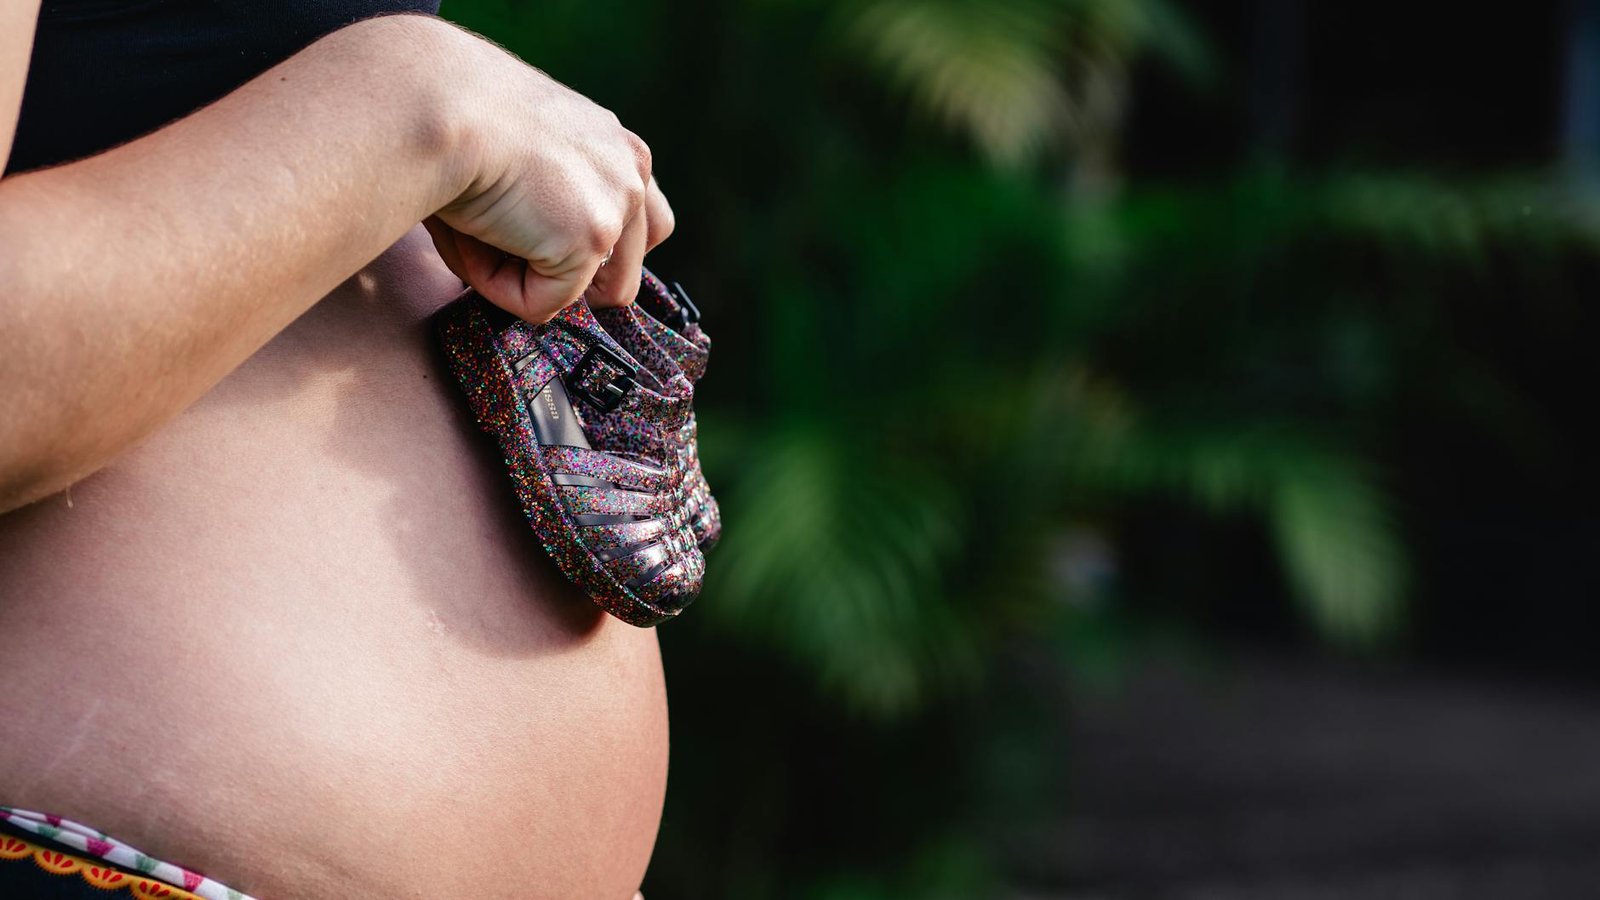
{"x":1294,"y":779}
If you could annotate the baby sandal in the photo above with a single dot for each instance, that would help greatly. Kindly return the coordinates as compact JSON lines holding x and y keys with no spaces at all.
{"x":591,"y":440}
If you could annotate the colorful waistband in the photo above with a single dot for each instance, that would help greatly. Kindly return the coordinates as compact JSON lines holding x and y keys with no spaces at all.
{"x":106,"y":863}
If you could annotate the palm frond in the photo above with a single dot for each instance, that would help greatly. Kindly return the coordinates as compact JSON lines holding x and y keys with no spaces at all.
{"x":1339,"y":550}
{"x":990,"y":71}
{"x":837,"y":563}
{"x":1339,"y":547}
{"x":1013,"y":75}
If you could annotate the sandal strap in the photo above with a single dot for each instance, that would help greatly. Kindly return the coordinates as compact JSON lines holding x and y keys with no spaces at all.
{"x":619,"y":470}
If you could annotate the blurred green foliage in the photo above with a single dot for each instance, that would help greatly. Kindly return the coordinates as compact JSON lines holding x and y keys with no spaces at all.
{"x":957,"y":353}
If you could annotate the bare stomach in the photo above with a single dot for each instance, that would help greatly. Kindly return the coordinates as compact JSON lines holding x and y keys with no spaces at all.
{"x":301,"y":641}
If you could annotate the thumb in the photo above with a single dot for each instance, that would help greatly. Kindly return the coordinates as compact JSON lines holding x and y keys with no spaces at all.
{"x":514,"y":285}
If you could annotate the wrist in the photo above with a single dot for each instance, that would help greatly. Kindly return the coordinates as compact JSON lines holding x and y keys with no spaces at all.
{"x":430,"y":62}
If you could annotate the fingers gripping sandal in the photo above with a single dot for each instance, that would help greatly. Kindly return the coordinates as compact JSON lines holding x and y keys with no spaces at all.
{"x":588,"y":437}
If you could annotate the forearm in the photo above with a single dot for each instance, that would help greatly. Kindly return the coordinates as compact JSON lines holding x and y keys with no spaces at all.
{"x":133,"y":281}
{"x":17,"y":20}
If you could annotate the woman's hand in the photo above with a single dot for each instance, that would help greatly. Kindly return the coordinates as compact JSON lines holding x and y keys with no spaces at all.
{"x":211,"y":234}
{"x":552,"y":188}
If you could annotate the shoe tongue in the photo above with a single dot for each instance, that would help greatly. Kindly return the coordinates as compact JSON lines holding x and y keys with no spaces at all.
{"x":690,"y":357}
{"x":656,"y":299}
{"x":627,"y":325}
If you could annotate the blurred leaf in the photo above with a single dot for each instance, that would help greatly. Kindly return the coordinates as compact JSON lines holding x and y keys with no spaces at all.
{"x":1173,"y":37}
{"x":1008,"y":73}
{"x":836,"y":561}
{"x":1339,"y":551}
{"x":990,"y":70}
{"x":1337,"y":544}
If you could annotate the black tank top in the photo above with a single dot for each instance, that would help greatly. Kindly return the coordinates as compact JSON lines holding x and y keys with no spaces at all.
{"x":107,"y":71}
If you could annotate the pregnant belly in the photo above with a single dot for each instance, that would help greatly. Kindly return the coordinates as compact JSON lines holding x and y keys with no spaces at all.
{"x":301,"y":640}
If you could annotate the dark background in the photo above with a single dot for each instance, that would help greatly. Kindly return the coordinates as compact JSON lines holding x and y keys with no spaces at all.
{"x":1154,"y":441}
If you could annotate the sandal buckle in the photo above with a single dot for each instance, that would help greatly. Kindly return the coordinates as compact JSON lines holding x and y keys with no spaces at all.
{"x":689,"y":313}
{"x":602,"y":378}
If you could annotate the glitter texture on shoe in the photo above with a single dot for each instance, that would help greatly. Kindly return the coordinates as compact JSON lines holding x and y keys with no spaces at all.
{"x":599,"y":445}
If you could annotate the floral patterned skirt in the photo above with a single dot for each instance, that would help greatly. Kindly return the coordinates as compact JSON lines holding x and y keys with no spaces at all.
{"x":44,"y":857}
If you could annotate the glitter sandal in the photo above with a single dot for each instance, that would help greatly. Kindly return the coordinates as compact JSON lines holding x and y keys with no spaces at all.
{"x":662,"y":331}
{"x":588,"y":436}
